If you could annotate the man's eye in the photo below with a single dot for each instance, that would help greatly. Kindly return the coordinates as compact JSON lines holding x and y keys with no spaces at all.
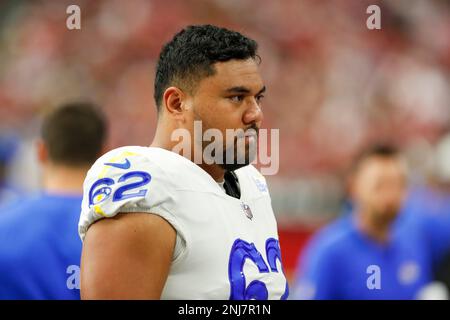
{"x":236,"y":98}
{"x":259,"y":97}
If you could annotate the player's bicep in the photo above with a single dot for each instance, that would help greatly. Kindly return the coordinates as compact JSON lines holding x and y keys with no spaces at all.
{"x":127,"y":257}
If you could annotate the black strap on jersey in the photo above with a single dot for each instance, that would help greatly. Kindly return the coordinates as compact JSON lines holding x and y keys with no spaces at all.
{"x":231,"y":185}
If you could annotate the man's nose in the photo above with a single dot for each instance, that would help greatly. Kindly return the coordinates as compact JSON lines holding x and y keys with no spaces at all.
{"x":253,"y":114}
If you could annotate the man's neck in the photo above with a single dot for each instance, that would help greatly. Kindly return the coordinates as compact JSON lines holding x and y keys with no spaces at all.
{"x":376,"y":230}
{"x":64,"y":180}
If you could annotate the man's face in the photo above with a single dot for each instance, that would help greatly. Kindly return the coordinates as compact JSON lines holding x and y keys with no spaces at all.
{"x":231,"y":99}
{"x":379,"y":187}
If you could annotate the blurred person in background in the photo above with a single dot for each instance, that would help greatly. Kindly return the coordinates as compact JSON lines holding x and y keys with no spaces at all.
{"x":430,"y":196}
{"x":435,"y":197}
{"x":382,"y":249}
{"x":39,"y":244}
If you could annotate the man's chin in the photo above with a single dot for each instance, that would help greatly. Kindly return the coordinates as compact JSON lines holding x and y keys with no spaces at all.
{"x":238,"y":161}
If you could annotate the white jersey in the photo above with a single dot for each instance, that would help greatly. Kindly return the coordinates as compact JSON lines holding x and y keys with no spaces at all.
{"x":226,"y":248}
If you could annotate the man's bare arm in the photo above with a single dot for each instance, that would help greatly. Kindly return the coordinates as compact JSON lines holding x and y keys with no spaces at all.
{"x":127,"y":257}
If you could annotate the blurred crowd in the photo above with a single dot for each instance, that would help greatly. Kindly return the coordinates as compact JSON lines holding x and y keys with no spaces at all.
{"x":334,"y":86}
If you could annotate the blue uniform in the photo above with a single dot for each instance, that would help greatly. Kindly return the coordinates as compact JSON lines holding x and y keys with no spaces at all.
{"x":40,"y":248}
{"x":342,"y":263}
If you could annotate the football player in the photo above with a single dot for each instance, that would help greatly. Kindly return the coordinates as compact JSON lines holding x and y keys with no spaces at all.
{"x":158,"y":224}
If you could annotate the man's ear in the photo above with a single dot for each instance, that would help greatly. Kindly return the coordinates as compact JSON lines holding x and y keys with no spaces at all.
{"x":173,"y":100}
{"x":42,"y":151}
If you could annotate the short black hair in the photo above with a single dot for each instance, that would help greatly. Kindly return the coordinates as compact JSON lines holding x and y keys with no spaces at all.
{"x":189,"y":56}
{"x":74,"y":134}
{"x":379,"y":150}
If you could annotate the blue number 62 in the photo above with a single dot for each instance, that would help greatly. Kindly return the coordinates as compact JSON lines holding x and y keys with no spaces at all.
{"x":240,"y":252}
{"x":101,"y":194}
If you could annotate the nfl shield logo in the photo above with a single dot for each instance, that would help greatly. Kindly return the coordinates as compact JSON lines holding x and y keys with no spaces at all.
{"x":247,"y":211}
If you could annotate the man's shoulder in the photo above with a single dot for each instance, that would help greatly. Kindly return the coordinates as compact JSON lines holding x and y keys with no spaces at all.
{"x":251,"y":171}
{"x":124,"y":157}
{"x":140,"y":177}
{"x":136,"y":159}
{"x":254,"y":178}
